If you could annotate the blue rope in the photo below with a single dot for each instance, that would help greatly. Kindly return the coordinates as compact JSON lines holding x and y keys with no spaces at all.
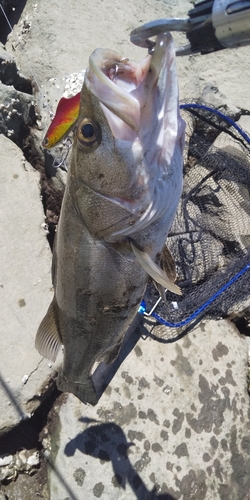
{"x":198,"y":311}
{"x":221,"y":115}
{"x":142,"y":308}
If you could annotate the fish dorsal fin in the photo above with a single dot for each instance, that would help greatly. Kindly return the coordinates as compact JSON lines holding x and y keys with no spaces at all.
{"x":48,"y":340}
{"x":155,"y":271}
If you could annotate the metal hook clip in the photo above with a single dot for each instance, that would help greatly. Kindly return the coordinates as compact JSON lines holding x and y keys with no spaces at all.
{"x":141,"y":36}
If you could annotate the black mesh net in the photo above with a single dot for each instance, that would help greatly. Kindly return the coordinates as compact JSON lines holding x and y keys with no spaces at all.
{"x":210,"y":236}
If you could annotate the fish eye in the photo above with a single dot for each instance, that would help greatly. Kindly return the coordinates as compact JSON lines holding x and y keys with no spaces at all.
{"x":89,"y":133}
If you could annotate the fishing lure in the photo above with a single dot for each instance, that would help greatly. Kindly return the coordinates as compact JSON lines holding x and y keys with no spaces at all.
{"x":64,"y":120}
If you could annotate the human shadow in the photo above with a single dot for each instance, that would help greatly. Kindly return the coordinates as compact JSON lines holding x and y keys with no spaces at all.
{"x":108,"y":442}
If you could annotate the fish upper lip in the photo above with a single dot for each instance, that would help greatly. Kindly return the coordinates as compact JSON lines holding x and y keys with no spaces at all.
{"x":124,"y":104}
{"x":96,"y":75}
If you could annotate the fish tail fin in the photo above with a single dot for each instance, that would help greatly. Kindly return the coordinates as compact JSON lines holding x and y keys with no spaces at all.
{"x":48,"y":341}
{"x":156,"y":273}
{"x":85,"y":391}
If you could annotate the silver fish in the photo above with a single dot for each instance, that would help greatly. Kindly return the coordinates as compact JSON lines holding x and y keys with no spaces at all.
{"x":123,"y":187}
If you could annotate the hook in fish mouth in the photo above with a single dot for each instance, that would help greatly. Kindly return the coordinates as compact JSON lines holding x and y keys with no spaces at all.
{"x":122,"y":87}
{"x":117,"y":67}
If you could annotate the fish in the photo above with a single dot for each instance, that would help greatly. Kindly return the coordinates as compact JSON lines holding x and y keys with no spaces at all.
{"x":123,"y":187}
{"x":66,"y":115}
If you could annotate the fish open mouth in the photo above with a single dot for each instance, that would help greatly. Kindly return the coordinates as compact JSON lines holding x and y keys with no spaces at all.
{"x":141,"y":104}
{"x":123,"y":87}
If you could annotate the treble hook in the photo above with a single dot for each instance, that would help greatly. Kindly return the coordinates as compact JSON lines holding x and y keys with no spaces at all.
{"x":67,"y":143}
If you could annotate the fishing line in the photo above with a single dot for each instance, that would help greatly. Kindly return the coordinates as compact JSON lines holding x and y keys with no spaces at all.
{"x":5,"y":15}
{"x":45,"y":102}
{"x":67,"y":143}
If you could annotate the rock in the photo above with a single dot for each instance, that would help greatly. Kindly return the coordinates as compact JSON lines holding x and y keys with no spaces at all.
{"x":3,"y":496}
{"x":212,"y":96}
{"x":29,"y":459}
{"x":244,"y":123}
{"x":222,"y":70}
{"x":24,"y":461}
{"x":174,"y":420}
{"x":25,"y":288}
{"x":40,"y":47}
{"x":7,"y":471}
{"x":52,"y":68}
{"x":5,"y":58}
{"x":17,"y":113}
{"x":10,"y":75}
{"x":5,"y":460}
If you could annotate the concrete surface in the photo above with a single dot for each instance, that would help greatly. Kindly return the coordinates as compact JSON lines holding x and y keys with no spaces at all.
{"x":25,"y":287}
{"x":173,"y":424}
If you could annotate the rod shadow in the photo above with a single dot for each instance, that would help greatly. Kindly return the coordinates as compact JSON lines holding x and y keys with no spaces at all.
{"x":108,"y":442}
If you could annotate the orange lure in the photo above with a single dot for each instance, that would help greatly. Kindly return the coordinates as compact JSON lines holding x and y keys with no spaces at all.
{"x":66,"y":115}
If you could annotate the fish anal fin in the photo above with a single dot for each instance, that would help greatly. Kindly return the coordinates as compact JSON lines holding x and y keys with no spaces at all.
{"x":48,"y":341}
{"x":156,"y":273}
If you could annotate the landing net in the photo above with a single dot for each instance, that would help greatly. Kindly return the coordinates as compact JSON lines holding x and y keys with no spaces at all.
{"x":210,"y":236}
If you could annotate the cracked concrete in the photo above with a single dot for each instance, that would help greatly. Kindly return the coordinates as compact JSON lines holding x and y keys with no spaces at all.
{"x":25,"y":287}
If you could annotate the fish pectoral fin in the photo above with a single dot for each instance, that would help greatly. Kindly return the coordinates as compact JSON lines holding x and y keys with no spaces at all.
{"x":156,"y":273}
{"x":48,"y":341}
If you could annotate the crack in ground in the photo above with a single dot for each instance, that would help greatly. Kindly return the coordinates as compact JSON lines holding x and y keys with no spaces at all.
{"x":26,"y":433}
{"x":27,"y":377}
